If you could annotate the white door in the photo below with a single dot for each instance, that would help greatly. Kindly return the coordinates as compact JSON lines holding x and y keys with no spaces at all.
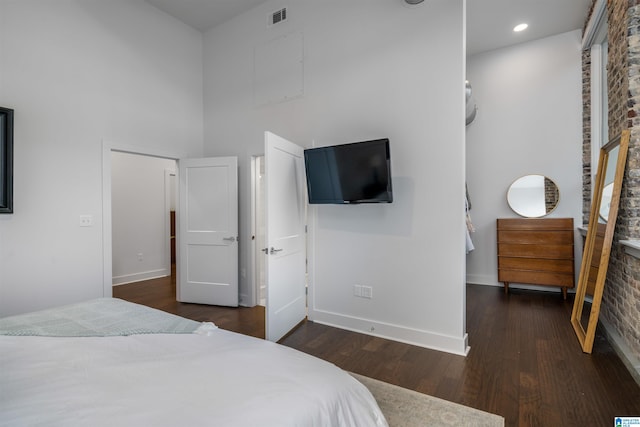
{"x":207,"y":264}
{"x":285,"y":236}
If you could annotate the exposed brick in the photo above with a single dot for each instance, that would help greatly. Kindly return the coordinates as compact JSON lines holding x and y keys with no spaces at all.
{"x":621,"y":298}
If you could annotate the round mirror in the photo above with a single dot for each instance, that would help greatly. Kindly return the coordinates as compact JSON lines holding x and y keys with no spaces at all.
{"x":533,"y":196}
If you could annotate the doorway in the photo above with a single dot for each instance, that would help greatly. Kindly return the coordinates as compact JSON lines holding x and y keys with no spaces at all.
{"x":109,"y":147}
{"x":143,"y":197}
{"x":286,"y":259}
{"x":107,"y":224}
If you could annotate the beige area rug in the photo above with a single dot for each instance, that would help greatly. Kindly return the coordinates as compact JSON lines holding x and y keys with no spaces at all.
{"x":408,"y":408}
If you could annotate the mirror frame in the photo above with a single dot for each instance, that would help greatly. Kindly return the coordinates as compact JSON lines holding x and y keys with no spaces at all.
{"x":586,"y":337}
{"x":545,"y":178}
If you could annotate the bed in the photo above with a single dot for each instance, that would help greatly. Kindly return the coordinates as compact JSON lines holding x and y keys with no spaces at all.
{"x":111,"y":362}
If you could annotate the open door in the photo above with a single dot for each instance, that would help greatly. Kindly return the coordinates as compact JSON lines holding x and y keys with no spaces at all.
{"x":285,"y":236}
{"x":207,"y":264}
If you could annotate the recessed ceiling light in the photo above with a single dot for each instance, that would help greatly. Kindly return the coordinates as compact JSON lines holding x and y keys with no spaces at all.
{"x":520,"y":27}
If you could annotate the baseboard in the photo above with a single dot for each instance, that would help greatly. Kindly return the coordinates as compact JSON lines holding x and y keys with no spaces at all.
{"x":623,"y":351}
{"x":482,"y":279}
{"x":421,"y":338}
{"x":137,"y":277}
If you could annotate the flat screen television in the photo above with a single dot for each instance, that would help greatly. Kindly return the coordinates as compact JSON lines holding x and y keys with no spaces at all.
{"x":359,"y":172}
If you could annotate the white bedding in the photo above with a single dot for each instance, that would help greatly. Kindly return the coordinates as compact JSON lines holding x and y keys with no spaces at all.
{"x":217,"y":379}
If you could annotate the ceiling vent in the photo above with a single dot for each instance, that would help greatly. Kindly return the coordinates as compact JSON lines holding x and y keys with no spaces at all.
{"x":278,"y":17}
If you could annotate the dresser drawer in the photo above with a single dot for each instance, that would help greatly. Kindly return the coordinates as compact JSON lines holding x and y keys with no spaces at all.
{"x":547,"y":278}
{"x":537,"y":264}
{"x":533,"y":237}
{"x":535,"y":224}
{"x":535,"y":251}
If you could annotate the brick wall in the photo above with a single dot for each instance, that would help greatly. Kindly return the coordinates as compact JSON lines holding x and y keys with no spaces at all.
{"x":621,"y":299}
{"x":586,"y":135}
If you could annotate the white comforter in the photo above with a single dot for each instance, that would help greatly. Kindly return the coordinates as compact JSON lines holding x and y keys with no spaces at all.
{"x":219,"y":379}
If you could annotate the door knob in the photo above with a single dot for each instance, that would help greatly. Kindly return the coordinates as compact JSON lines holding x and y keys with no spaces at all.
{"x":229,"y":239}
{"x":274,"y":250}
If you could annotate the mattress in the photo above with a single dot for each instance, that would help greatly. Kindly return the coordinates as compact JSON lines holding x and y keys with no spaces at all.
{"x":209,"y":377}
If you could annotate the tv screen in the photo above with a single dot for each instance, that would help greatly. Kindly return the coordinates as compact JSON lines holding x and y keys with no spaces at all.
{"x":359,"y":172}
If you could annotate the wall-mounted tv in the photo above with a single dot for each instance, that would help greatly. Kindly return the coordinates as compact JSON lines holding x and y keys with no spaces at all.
{"x":359,"y":172}
{"x":6,"y":160}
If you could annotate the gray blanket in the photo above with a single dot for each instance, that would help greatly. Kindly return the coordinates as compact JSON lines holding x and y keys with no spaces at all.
{"x":99,"y":317}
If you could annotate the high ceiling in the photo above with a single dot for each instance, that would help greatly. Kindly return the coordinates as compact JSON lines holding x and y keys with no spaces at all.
{"x":489,"y":22}
{"x":204,"y":14}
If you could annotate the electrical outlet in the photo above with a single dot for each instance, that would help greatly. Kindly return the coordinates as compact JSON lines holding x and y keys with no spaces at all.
{"x":367,"y":292}
{"x":140,"y":256}
{"x":86,"y":220}
{"x":357,"y":290}
{"x":363,"y":291}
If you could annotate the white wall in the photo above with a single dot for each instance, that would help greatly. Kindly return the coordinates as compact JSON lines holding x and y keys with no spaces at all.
{"x":372,"y":68}
{"x":529,"y":121}
{"x":140,"y":206}
{"x":78,"y":73}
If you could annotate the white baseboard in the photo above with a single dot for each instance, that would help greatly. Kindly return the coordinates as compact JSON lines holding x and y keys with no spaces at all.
{"x":630,"y":360}
{"x":482,"y":279}
{"x":137,"y":277}
{"x":421,"y":338}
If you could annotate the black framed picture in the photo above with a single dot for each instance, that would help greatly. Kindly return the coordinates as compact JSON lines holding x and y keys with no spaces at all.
{"x":6,"y":160}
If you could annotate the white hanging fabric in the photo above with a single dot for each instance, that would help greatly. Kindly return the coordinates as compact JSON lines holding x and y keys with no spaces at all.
{"x":469,"y":229}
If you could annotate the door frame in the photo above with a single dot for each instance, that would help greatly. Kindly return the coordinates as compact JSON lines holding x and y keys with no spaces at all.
{"x":253,"y":297}
{"x":107,"y":244}
{"x":252,"y":279}
{"x":168,"y":193}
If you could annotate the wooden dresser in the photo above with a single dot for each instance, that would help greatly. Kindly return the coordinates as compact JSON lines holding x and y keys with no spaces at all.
{"x":537,"y":251}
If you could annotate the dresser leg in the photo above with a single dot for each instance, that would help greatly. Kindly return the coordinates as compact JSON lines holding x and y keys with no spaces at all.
{"x":564,"y":293}
{"x":506,"y":288}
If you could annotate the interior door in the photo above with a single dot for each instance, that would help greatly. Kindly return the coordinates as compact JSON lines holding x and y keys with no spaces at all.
{"x":207,"y":264}
{"x":286,"y":304}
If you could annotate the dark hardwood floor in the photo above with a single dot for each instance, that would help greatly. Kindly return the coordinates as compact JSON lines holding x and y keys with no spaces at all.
{"x":161,"y":294}
{"x":525,"y":362}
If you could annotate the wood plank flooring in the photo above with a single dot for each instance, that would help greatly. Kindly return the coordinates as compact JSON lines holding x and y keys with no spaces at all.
{"x":161,"y":294}
{"x":525,"y":362}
